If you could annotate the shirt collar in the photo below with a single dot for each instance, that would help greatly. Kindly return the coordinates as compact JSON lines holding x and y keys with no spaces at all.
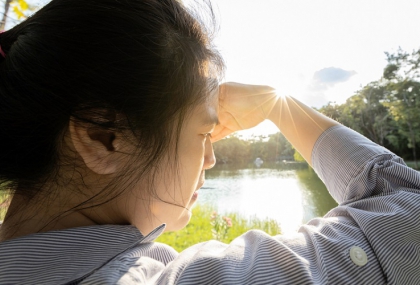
{"x":60,"y":257}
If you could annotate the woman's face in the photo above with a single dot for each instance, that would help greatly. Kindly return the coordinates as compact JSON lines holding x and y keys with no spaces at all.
{"x":177,"y":189}
{"x":179,"y":176}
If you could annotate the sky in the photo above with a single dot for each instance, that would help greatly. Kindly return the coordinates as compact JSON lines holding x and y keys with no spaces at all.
{"x":315,"y":50}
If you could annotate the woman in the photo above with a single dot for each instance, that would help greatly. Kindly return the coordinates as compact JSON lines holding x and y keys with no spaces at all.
{"x":107,"y":116}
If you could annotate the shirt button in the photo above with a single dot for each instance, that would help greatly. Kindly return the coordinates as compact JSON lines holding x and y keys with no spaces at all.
{"x":358,"y":256}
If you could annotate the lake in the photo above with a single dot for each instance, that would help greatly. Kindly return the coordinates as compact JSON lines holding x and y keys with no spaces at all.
{"x":290,"y":193}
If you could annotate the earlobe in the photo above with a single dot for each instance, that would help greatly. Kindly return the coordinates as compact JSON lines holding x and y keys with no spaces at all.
{"x":96,"y":146}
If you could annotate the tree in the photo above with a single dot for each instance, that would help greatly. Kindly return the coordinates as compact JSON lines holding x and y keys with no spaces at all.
{"x":387,"y":111}
{"x":298,"y":157}
{"x":332,"y":110}
{"x":235,"y":150}
{"x":278,"y":147}
{"x":231,"y":150}
{"x":366,"y":113}
{"x":19,"y":7}
{"x":403,"y":95}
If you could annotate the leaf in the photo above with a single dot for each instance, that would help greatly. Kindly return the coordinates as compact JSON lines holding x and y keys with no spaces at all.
{"x":23,"y":5}
{"x":18,"y":13}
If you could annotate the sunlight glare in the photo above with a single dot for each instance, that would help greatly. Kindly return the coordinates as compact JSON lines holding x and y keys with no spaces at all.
{"x":260,"y":195}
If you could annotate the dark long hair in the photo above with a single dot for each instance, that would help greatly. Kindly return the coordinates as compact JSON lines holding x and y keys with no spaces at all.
{"x":145,"y":59}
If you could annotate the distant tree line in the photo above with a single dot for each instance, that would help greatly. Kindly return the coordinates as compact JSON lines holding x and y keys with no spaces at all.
{"x":386,"y":111}
{"x":233,"y":149}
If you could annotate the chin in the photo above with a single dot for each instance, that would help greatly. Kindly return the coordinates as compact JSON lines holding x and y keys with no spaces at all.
{"x":179,"y":224}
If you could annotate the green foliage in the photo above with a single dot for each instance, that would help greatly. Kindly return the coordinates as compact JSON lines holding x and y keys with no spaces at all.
{"x":411,"y":164}
{"x":20,"y":8}
{"x":332,"y":110}
{"x":201,"y":228}
{"x":298,"y":157}
{"x":403,"y":95}
{"x":221,"y":225}
{"x":390,"y":71}
{"x":233,"y":150}
{"x":387,"y":111}
{"x":318,"y":195}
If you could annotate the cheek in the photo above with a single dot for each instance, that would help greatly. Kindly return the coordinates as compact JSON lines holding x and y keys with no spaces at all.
{"x":192,"y":153}
{"x":191,"y":165}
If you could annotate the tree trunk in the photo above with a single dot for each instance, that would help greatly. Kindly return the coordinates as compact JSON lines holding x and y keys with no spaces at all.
{"x":6,"y":10}
{"x":414,"y":153}
{"x":412,"y":135}
{"x":413,"y":142}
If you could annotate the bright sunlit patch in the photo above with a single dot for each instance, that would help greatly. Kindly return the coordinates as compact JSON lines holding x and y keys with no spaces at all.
{"x":280,"y":96}
{"x":260,"y":194}
{"x":264,"y":129}
{"x":279,"y":93}
{"x":283,"y":46}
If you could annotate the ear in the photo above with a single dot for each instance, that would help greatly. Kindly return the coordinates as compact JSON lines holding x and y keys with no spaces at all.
{"x":98,"y":147}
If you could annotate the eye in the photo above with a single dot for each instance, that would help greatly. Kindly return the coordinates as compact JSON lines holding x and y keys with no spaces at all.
{"x":207,"y":135}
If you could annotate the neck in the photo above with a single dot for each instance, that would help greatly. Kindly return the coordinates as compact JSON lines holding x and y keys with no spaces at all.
{"x":28,"y":216}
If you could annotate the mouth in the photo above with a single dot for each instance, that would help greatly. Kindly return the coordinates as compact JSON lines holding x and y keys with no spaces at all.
{"x":194,"y":196}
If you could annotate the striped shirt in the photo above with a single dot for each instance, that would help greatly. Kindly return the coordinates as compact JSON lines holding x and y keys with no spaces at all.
{"x":372,"y":237}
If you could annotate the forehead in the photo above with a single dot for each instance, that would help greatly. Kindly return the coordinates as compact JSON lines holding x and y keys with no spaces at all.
{"x":206,"y":113}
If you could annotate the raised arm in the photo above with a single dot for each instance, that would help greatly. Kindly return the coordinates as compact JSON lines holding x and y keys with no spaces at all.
{"x":300,"y":124}
{"x":243,"y":106}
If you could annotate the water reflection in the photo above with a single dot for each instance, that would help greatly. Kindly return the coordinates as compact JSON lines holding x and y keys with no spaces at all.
{"x":290,"y":193}
{"x":317,"y":201}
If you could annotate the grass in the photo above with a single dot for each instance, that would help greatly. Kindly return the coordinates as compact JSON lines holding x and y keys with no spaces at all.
{"x":201,"y":228}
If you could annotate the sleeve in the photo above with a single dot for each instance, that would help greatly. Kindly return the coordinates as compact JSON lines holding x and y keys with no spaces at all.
{"x":348,"y":164}
{"x":378,"y":214}
{"x":320,"y":252}
{"x":379,"y":193}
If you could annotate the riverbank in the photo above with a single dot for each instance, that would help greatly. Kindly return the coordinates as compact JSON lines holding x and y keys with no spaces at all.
{"x":206,"y":224}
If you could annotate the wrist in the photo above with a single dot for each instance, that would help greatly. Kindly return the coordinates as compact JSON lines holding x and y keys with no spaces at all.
{"x":275,"y":113}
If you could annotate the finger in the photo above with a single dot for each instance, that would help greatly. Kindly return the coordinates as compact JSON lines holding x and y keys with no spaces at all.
{"x":245,"y":90}
{"x":224,"y":132}
{"x":229,"y":120}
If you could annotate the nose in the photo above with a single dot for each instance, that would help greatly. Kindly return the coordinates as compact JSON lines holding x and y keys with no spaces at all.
{"x":209,"y":158}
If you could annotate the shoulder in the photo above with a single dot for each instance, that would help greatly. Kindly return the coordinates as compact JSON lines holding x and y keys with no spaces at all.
{"x":314,"y":255}
{"x":142,"y":264}
{"x":155,"y":250}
